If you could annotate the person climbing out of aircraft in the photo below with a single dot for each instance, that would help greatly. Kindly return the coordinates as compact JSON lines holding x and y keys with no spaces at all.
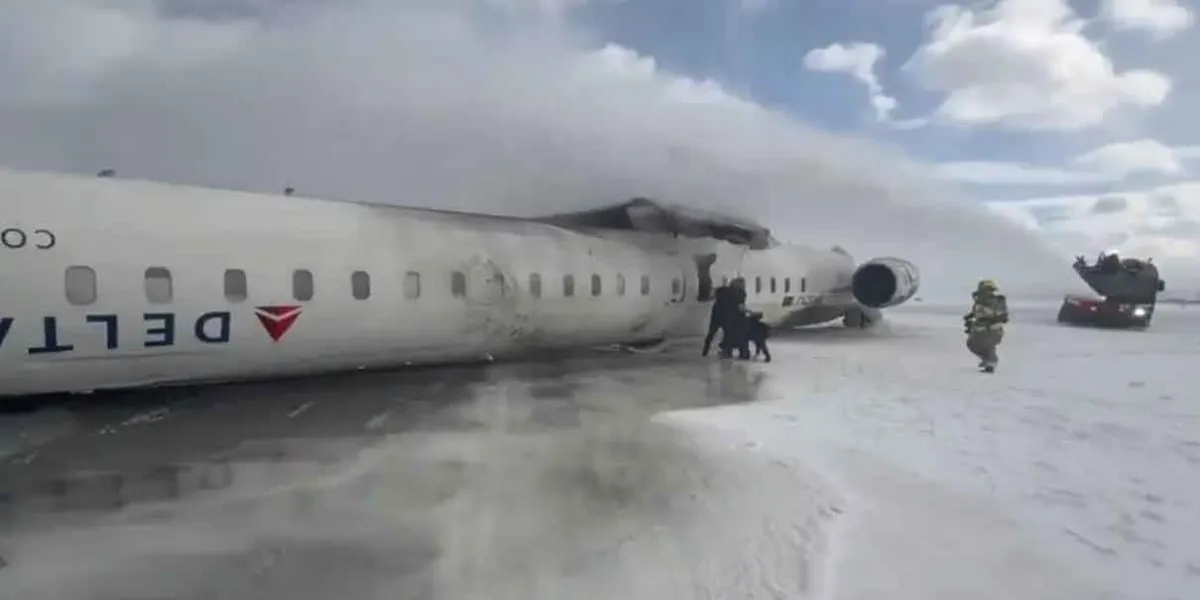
{"x":758,"y":332}
{"x":984,"y":325}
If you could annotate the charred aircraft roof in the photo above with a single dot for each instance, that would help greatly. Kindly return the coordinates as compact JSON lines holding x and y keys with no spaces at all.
{"x":638,"y":214}
{"x":641,"y":214}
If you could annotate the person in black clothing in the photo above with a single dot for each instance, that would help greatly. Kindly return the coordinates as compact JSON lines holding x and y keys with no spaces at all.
{"x":735,"y":322}
{"x":727,"y":302}
{"x":722,"y":296}
{"x":737,"y":330}
{"x":758,"y":333}
{"x":737,"y":295}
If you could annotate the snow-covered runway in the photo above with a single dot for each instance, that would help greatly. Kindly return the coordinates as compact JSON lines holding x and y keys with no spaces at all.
{"x":1073,"y":472}
{"x":858,"y":465}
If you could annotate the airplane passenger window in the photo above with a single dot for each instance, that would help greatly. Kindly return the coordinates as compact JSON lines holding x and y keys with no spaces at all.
{"x":302,"y":285}
{"x":80,"y":283}
{"x":158,"y":285}
{"x":568,"y":285}
{"x":620,"y":284}
{"x":787,"y":284}
{"x":595,"y":285}
{"x":676,"y":286}
{"x":458,"y":284}
{"x":645,"y":285}
{"x":535,"y":285}
{"x":772,"y":285}
{"x":412,"y":285}
{"x":803,"y":284}
{"x":757,"y":284}
{"x":360,"y":285}
{"x":236,"y":289}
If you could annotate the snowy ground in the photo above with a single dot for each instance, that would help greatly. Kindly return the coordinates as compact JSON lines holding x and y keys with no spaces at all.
{"x":856,"y":466}
{"x":515,"y":482}
{"x":1073,"y":472}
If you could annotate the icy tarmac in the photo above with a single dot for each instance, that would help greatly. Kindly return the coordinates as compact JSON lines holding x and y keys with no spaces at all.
{"x":1073,"y":472}
{"x":511,"y":481}
{"x":857,"y":465}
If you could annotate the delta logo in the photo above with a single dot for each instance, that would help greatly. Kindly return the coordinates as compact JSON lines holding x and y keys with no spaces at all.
{"x":277,"y":320}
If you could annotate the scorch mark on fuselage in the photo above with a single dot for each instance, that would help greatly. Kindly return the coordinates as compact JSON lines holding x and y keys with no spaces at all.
{"x":150,"y":283}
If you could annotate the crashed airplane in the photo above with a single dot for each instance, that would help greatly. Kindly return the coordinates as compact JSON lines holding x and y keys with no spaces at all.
{"x":113,"y":283}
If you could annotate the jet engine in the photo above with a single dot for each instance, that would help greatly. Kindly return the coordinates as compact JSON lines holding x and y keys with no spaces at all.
{"x":884,"y":282}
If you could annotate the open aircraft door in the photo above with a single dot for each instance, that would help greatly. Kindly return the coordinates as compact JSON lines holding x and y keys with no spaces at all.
{"x":691,"y":293}
{"x":704,"y":280}
{"x":679,"y":288}
{"x":490,"y":301}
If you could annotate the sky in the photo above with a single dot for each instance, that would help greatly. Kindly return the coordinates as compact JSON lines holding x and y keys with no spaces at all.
{"x":990,"y":139}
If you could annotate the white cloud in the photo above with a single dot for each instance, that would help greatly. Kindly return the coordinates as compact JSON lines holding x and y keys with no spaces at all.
{"x":423,"y":102}
{"x":1025,"y":64}
{"x":858,"y":59}
{"x":1007,"y":173}
{"x":1163,"y":223}
{"x":1162,"y":18}
{"x":1125,"y":158}
{"x":1107,"y":164}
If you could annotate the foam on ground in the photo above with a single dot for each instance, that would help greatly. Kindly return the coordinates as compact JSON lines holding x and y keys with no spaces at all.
{"x":1070,"y":473}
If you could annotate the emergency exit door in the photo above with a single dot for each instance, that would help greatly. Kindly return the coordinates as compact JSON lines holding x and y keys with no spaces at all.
{"x":679,"y":288}
{"x":704,"y":280}
{"x":489,"y":302}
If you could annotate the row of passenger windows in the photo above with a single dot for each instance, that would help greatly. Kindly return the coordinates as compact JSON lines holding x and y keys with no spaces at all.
{"x":787,"y":284}
{"x":81,"y":285}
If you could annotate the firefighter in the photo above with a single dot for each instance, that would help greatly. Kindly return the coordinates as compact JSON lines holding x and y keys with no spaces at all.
{"x":984,"y":325}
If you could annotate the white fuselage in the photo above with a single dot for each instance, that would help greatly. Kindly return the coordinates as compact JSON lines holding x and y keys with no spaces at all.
{"x":108,"y":283}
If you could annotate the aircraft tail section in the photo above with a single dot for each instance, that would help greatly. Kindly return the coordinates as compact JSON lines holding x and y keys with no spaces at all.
{"x":1129,"y":280}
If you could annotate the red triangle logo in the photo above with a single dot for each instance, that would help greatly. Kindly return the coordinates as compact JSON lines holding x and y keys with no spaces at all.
{"x":277,"y":320}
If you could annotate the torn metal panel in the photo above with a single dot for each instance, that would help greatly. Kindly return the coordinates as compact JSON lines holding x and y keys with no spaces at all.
{"x":641,"y":214}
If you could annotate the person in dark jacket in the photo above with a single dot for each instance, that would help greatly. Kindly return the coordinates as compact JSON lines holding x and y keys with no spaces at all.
{"x":758,"y":333}
{"x":727,"y":301}
{"x":737,"y":295}
{"x":735,"y":322}
{"x":722,"y":296}
{"x":737,"y":329}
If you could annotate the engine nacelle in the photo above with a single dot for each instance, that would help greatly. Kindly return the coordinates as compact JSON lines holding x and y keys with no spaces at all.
{"x":884,"y":282}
